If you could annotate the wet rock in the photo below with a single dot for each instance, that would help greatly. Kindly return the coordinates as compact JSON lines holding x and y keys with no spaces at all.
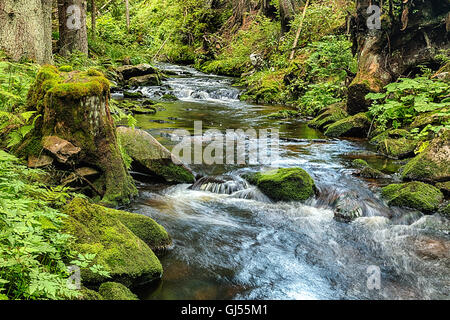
{"x":286,"y":184}
{"x":433,"y":164}
{"x":220,"y":184}
{"x":143,"y":110}
{"x":378,"y":137}
{"x":360,"y":163}
{"x":169,"y":97}
{"x":133,"y":95}
{"x":397,"y":148}
{"x":354,"y":126}
{"x":415,"y":195}
{"x":347,"y":208}
{"x":371,"y":173}
{"x":147,"y":80}
{"x":429,"y":248}
{"x":329,"y":116}
{"x":62,"y":149}
{"x":118,"y":250}
{"x":116,"y":291}
{"x":150,"y":157}
{"x":127,"y":72}
{"x":40,"y":161}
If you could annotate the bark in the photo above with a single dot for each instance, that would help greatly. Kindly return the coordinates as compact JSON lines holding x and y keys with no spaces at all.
{"x":26,"y":29}
{"x":268,"y":9}
{"x":288,"y":9}
{"x":405,"y":41}
{"x":72,"y":27}
{"x":127,"y":14}
{"x":93,"y":17}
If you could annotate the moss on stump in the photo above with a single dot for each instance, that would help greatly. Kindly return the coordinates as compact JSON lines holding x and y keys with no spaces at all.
{"x":116,"y":291}
{"x":74,"y":107}
{"x":97,"y":231}
{"x":291,"y":184}
{"x":415,"y":195}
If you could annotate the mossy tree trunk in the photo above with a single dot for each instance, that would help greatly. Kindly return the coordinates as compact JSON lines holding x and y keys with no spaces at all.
{"x":72,"y":27}
{"x":26,"y":29}
{"x":412,"y":34}
{"x":74,"y":107}
{"x":288,"y":9}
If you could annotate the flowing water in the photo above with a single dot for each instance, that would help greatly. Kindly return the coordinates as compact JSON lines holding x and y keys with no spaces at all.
{"x":232,"y":242}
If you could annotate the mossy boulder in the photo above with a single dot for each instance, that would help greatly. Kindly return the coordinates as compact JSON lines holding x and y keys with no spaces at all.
{"x":330,"y":115}
{"x":150,"y":157}
{"x":433,"y":164}
{"x":116,"y":291}
{"x":379,"y":136}
{"x":286,"y":184}
{"x":397,"y":148}
{"x":415,"y":195}
{"x":430,"y":118}
{"x":444,"y":187}
{"x":147,"y":229}
{"x":371,"y":173}
{"x":97,"y":230}
{"x":360,"y":163}
{"x":147,"y":80}
{"x":354,"y":126}
{"x":128,"y":71}
{"x":88,"y":294}
{"x":74,"y":107}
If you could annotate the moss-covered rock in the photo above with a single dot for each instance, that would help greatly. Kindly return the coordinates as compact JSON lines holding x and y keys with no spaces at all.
{"x":330,"y":115}
{"x":432,"y":118}
{"x":97,"y":230}
{"x":147,"y":229}
{"x":88,"y":294}
{"x":360,"y":163}
{"x":433,"y":164}
{"x":371,"y":173}
{"x":397,"y":148}
{"x":150,"y":157}
{"x":445,"y":210}
{"x":389,"y":134}
{"x":286,"y":184}
{"x":444,"y":187}
{"x":354,"y":126}
{"x":416,"y":195}
{"x":116,"y":291}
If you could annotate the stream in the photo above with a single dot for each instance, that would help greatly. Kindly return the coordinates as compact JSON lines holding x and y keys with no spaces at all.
{"x":243,"y":246}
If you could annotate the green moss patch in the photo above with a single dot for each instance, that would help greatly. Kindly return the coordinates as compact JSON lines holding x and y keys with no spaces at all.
{"x":329,"y":116}
{"x":397,"y":148}
{"x":416,"y":195}
{"x":354,"y":126}
{"x":126,"y":257}
{"x":116,"y":291}
{"x":292,"y":184}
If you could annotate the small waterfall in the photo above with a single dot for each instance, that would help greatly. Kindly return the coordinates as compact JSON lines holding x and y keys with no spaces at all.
{"x":221,"y":184}
{"x":252,"y":193}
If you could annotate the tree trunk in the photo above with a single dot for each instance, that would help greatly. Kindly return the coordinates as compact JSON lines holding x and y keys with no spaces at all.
{"x":93,"y":16}
{"x":26,"y":29}
{"x":268,"y":9}
{"x":288,"y":8}
{"x":72,"y":27}
{"x":127,"y":14}
{"x":397,"y":48}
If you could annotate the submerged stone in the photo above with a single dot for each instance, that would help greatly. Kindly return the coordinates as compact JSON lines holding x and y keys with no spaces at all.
{"x":415,"y":195}
{"x":286,"y":184}
{"x":98,"y":231}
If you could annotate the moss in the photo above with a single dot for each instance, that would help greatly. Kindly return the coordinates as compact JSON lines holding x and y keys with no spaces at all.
{"x":153,"y":234}
{"x":126,"y":257}
{"x":444,"y":187}
{"x":431,"y":118}
{"x":116,"y":291}
{"x":433,"y":164}
{"x":169,"y":97}
{"x":360,"y":163}
{"x":88,"y":294}
{"x":152,"y":156}
{"x":416,"y":195}
{"x":354,"y":126}
{"x":292,"y":184}
{"x":65,"y":68}
{"x":329,"y":116}
{"x":394,"y":134}
{"x":371,"y":173}
{"x":445,"y":210}
{"x":397,"y":148}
